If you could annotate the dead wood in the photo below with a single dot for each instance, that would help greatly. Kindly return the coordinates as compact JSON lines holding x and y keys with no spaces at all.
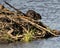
{"x":38,"y":26}
{"x":34,"y":24}
{"x":15,"y":25}
{"x":14,"y":8}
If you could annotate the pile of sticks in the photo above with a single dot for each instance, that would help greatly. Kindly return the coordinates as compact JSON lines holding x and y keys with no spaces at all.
{"x":15,"y":24}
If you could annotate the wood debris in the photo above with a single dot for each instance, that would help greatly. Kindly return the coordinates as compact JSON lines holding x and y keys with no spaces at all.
{"x":17,"y":24}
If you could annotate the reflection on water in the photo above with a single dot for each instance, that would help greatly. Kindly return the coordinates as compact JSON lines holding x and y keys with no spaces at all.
{"x":50,"y":12}
{"x":45,"y":43}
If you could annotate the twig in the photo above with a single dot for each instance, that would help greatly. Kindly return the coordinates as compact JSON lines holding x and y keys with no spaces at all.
{"x":15,"y":37}
{"x":14,"y":8}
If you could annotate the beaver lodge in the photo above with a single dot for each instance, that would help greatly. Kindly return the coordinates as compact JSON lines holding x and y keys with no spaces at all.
{"x":17,"y":26}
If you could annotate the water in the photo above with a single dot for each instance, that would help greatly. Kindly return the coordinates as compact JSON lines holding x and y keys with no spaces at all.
{"x":45,"y":43}
{"x":50,"y":12}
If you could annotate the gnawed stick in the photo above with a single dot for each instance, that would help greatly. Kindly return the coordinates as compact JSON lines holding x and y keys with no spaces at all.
{"x":9,"y":33}
{"x":15,"y":37}
{"x":24,"y":29}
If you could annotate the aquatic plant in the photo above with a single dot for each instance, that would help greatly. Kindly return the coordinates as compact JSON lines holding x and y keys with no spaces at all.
{"x":28,"y":36}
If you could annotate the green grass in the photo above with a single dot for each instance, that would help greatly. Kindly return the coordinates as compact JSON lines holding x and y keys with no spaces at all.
{"x":28,"y":36}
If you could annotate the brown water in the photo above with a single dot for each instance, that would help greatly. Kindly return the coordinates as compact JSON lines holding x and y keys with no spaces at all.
{"x":50,"y":12}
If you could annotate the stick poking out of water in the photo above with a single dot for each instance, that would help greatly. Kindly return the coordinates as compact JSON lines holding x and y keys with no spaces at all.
{"x":14,"y":8}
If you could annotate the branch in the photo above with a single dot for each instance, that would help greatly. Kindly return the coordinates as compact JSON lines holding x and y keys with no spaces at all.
{"x":14,"y":8}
